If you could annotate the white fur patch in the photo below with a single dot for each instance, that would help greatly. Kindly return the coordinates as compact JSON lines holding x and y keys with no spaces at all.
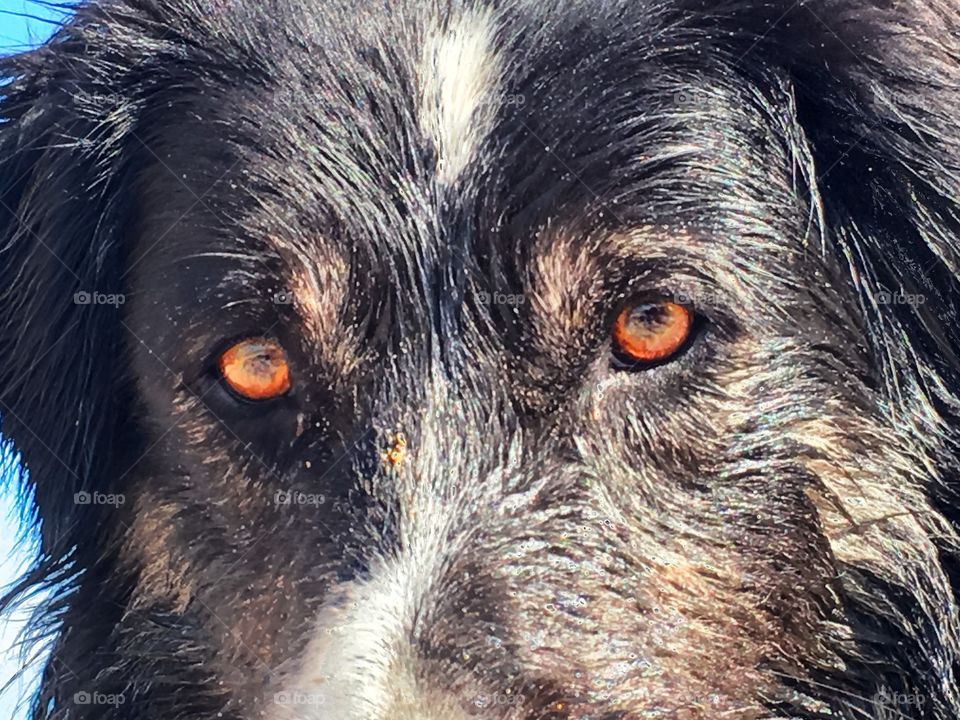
{"x":459,"y":75}
{"x":362,"y":661}
{"x":359,"y":664}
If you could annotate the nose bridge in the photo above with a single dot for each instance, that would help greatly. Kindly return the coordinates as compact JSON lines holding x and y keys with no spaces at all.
{"x":367,"y":658}
{"x":458,"y":427}
{"x":446,"y":396}
{"x":433,"y":452}
{"x":362,"y":663}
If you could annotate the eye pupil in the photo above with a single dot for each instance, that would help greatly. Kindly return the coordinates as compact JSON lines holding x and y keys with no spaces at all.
{"x":648,"y":318}
{"x":650,"y":332}
{"x":256,"y":369}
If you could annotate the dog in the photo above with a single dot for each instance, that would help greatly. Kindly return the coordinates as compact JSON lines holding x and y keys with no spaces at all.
{"x":516,"y":360}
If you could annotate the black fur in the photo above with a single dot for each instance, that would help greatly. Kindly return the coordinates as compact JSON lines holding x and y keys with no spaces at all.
{"x":764,"y":527}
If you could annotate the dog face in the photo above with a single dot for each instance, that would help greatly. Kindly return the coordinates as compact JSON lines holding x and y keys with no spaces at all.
{"x":513,"y":361}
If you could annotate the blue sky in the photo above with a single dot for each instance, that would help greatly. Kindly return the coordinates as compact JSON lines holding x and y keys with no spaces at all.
{"x":17,"y":542}
{"x":22,"y":25}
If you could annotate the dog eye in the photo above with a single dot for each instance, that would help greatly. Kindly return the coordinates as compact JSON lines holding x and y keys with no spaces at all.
{"x":256,"y":369}
{"x":650,"y":332}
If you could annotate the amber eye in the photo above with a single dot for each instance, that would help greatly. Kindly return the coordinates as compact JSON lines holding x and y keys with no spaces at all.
{"x":256,"y":368}
{"x":650,"y":332}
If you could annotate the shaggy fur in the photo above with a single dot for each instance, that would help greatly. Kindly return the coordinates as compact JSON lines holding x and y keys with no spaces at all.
{"x":438,"y":208}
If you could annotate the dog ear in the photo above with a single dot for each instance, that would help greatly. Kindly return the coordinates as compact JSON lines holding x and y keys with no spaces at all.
{"x":876,"y":88}
{"x":877,"y":94}
{"x":63,"y":206}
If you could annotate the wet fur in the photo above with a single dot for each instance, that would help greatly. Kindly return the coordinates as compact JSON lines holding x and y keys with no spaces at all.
{"x":764,"y":528}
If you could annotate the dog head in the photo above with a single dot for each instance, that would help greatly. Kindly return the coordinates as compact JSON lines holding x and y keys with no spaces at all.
{"x":517,"y":360}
